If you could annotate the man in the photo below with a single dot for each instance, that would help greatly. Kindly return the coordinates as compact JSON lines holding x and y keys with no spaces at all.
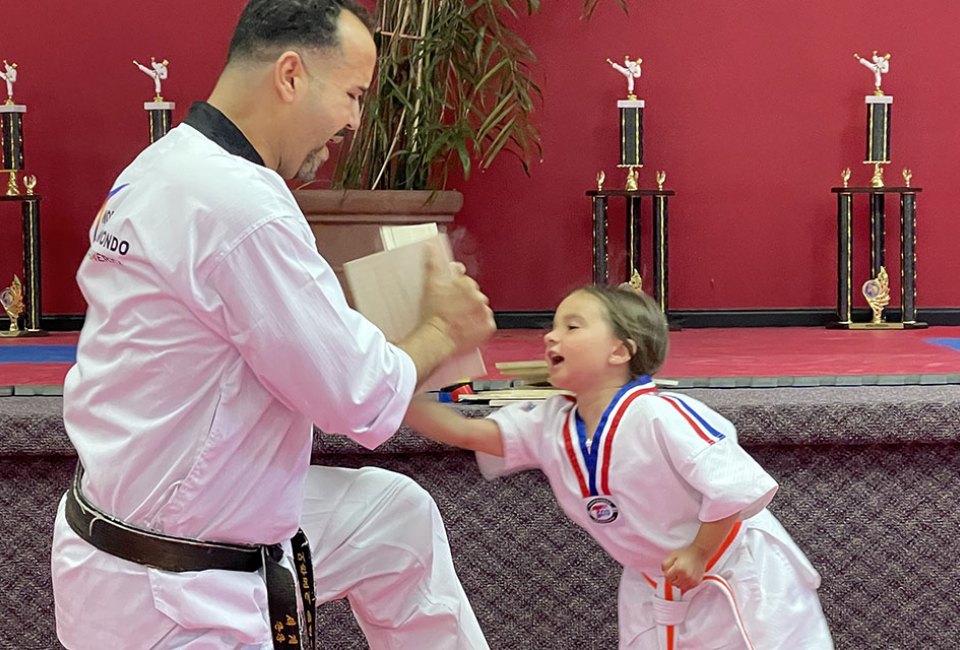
{"x":215,"y":336}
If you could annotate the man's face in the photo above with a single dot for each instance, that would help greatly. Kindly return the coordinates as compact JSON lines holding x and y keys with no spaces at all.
{"x":337,"y":80}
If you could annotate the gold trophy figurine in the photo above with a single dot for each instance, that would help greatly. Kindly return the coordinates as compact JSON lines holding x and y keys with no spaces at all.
{"x":12,"y":188}
{"x":12,"y":300}
{"x":635,"y":284}
{"x":631,"y":70}
{"x":601,"y":176}
{"x":877,"y":179}
{"x":631,"y":185}
{"x":9,"y":75}
{"x":878,"y":65}
{"x":158,"y":72}
{"x":845,"y":176}
{"x":661,"y":178}
{"x":877,"y":292}
{"x":30,"y":182}
{"x":907,"y":175}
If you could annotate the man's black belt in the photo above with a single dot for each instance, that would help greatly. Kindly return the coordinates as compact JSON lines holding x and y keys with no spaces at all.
{"x":179,"y":554}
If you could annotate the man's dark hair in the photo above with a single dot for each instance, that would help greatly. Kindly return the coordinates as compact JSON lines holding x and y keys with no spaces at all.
{"x":268,"y":26}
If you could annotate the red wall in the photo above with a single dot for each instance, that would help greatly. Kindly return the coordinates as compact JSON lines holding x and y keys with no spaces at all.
{"x":753,"y":108}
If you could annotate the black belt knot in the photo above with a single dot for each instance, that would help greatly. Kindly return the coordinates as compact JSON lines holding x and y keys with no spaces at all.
{"x":180,"y":554}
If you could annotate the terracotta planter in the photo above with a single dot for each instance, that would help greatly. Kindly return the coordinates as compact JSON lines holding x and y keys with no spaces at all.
{"x":347,"y":223}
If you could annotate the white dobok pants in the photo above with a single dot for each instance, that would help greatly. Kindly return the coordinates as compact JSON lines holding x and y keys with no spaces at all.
{"x":774,"y":595}
{"x":377,"y":539}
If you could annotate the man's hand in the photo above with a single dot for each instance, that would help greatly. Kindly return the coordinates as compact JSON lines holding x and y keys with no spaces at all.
{"x":684,"y":568}
{"x":454,"y":304}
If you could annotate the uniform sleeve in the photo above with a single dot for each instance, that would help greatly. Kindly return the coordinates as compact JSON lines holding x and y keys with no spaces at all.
{"x":522,"y":430}
{"x":279,"y":302}
{"x":702,"y":446}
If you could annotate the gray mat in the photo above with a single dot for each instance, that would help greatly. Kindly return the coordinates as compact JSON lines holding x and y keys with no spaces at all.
{"x":783,"y":381}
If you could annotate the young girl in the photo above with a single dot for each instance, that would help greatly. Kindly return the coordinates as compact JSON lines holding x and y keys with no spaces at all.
{"x":657,"y":478}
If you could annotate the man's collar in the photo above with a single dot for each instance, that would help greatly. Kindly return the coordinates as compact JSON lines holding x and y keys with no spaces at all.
{"x":215,"y":125}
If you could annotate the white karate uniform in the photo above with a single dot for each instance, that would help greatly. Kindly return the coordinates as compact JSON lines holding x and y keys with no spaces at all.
{"x":658,"y":465}
{"x":215,"y":337}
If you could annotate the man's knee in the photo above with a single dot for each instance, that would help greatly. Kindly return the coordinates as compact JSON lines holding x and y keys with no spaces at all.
{"x":402,"y":494}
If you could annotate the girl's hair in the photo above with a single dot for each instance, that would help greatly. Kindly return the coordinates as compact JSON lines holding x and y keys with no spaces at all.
{"x":638,"y":322}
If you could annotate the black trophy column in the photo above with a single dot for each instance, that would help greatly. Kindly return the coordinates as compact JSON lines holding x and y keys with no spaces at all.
{"x":660,"y":255}
{"x":633,"y":236}
{"x":631,"y":132}
{"x":31,"y":262}
{"x":878,"y":129}
{"x":876,"y":233}
{"x":908,"y":257}
{"x":845,"y":257}
{"x":600,"y":239}
{"x":12,"y":124}
{"x":159,"y":124}
{"x":159,"y":117}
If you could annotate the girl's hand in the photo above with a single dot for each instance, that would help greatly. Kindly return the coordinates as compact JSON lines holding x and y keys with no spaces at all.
{"x":684,"y":568}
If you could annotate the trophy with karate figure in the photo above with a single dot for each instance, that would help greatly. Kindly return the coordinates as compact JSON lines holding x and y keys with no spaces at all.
{"x":159,"y":111}
{"x":630,"y":111}
{"x":876,"y":290}
{"x":879,"y":107}
{"x":11,"y":136}
{"x":631,"y":121}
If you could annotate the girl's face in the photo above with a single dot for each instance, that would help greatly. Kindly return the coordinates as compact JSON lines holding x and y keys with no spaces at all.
{"x":581,"y":350}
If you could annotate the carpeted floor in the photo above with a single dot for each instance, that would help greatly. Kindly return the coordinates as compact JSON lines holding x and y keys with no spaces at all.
{"x":869,"y":484}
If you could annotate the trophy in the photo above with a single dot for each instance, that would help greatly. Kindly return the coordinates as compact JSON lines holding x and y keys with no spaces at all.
{"x":877,"y":292}
{"x":159,"y":111}
{"x":11,"y":136}
{"x":636,"y":282}
{"x":877,"y":289}
{"x":631,"y":122}
{"x":12,"y":300}
{"x":878,"y":117}
{"x":631,"y":158}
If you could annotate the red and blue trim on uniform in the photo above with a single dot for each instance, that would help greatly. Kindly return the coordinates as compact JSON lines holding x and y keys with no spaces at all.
{"x":103,"y":209}
{"x":700,"y":426}
{"x":591,"y":461}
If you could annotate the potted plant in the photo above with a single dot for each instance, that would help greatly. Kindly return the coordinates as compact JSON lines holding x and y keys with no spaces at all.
{"x":452,"y":88}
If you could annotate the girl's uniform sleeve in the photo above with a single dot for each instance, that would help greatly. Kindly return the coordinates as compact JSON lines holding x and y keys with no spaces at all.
{"x":702,"y":446}
{"x":522,"y":432}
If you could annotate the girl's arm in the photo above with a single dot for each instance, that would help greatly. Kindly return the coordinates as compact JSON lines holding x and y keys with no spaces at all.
{"x":685,"y":568}
{"x":444,"y":424}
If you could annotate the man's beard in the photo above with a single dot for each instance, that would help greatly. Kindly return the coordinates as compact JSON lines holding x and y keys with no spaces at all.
{"x":313,"y":162}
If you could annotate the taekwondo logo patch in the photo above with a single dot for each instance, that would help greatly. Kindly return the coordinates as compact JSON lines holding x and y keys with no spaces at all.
{"x":602,"y":511}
